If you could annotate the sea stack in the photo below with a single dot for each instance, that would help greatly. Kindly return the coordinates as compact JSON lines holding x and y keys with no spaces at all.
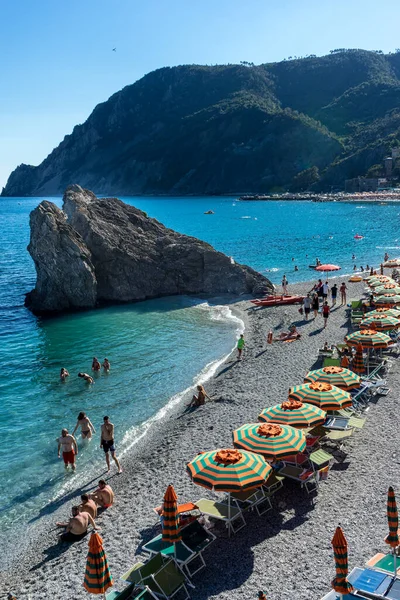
{"x":98,"y":251}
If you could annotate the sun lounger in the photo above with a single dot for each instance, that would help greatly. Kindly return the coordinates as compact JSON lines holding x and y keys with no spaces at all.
{"x":132,"y":592}
{"x":338,"y":423}
{"x":373,"y":584}
{"x":338,"y":437}
{"x":305,"y":477}
{"x":195,"y":539}
{"x":253,"y":499}
{"x":162,"y":575}
{"x":273,"y":484}
{"x":384,"y":562}
{"x":331,"y":362}
{"x":231,"y":515}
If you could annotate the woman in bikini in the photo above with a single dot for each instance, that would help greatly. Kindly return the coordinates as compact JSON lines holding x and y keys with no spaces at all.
{"x":200,"y":399}
{"x":86,"y":426}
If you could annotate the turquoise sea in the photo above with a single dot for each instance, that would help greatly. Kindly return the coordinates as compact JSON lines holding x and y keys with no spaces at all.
{"x":157,"y":348}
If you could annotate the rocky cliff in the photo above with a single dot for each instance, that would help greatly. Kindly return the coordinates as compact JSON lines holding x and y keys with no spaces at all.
{"x":102,"y":251}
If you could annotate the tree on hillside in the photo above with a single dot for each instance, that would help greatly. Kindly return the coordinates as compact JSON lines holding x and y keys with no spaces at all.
{"x":375,"y":171}
{"x":305,"y":179}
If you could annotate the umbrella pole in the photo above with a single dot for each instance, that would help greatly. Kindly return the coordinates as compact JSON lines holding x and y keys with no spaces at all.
{"x":395,"y":562}
{"x":229,"y":514}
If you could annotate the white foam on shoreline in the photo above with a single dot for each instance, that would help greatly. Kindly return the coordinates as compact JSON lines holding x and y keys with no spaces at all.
{"x":218,"y":313}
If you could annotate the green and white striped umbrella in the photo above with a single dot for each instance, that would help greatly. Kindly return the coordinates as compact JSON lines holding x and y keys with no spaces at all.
{"x":338,"y":376}
{"x":390,"y":288}
{"x":380,"y":322}
{"x":390,"y":312}
{"x":228,"y":470}
{"x":380,"y":282}
{"x":324,"y":395}
{"x":387,"y":299}
{"x":368,"y":338}
{"x":271,"y":440}
{"x":294,"y":413}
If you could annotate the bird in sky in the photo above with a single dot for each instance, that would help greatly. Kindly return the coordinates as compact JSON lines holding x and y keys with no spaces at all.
{"x":114,"y":49}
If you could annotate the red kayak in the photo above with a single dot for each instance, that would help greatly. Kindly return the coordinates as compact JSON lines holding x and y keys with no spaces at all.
{"x":278,"y":300}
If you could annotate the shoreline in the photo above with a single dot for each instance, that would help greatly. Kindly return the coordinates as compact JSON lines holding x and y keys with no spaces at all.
{"x":265,"y":547}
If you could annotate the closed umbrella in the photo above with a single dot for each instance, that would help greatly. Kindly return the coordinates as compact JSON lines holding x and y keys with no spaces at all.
{"x":358,"y":360}
{"x":321,"y":394}
{"x":393,"y":521}
{"x":97,"y":575}
{"x":380,"y":322}
{"x":170,"y":524}
{"x":340,"y":583}
{"x":271,"y":440}
{"x":338,"y":376}
{"x":344,"y":361}
{"x":295,"y":413}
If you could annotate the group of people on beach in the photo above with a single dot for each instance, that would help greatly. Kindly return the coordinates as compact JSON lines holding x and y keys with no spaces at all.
{"x":317,"y":299}
{"x":68,"y":445}
{"x":96,"y":367}
{"x":84,"y":514}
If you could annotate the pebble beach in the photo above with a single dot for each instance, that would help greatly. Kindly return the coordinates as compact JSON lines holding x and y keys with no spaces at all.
{"x":287,"y":551}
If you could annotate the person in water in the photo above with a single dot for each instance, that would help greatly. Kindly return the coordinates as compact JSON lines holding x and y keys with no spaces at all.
{"x":86,"y":377}
{"x":200,"y":399}
{"x":296,"y":268}
{"x":107,"y":443}
{"x":96,"y":366}
{"x":67,"y":443}
{"x":63,"y":374}
{"x":76,"y":528}
{"x":104,"y":495}
{"x":240,"y":346}
{"x":106,"y":364}
{"x":86,"y":426}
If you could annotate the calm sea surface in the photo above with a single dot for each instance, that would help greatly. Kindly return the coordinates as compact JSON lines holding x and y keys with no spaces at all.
{"x":156,"y":348}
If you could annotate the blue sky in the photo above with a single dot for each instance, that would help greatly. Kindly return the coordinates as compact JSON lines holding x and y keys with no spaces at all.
{"x":57,"y":61}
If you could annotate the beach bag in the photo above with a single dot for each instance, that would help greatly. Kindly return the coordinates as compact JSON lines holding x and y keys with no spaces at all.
{"x":301,"y":310}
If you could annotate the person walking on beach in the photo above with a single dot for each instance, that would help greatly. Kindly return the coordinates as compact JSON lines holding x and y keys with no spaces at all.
{"x":69,"y":447}
{"x":284,"y":285}
{"x":315,"y":305}
{"x":103,"y":496}
{"x":325,"y":291}
{"x":107,"y":443}
{"x":240,"y":346}
{"x":307,"y":306}
{"x":334,"y":294}
{"x":325,"y":313}
{"x":343,"y":289}
{"x":86,"y":426}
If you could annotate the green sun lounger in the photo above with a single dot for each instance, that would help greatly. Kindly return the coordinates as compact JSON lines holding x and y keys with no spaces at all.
{"x":195,"y":539}
{"x":132,"y":593}
{"x":384,"y":562}
{"x":331,"y":362}
{"x":160,"y":574}
{"x":253,"y":499}
{"x":231,"y":515}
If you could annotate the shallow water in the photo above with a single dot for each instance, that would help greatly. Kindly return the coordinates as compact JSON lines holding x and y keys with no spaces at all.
{"x":156,"y":348}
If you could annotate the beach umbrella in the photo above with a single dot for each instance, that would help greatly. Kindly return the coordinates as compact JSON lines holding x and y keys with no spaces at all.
{"x":393,"y":521}
{"x":385,"y":289}
{"x":228,"y":470}
{"x":390,"y":312}
{"x":344,"y":361}
{"x":387,"y":299}
{"x":376,"y":283}
{"x":97,"y":575}
{"x":368,"y":338}
{"x":340,"y":583}
{"x":380,"y":322}
{"x":327,"y":268}
{"x":324,"y":395}
{"x":170,"y":527}
{"x":338,"y":376}
{"x":271,"y":440}
{"x":358,"y":360}
{"x":294,"y":413}
{"x":392,"y":263}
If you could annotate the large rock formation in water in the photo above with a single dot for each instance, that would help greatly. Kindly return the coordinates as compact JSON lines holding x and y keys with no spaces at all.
{"x":102,"y":251}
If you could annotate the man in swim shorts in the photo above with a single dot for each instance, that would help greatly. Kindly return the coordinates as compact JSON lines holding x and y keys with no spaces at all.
{"x":88,"y":505}
{"x":77,"y":526}
{"x":69,"y":447}
{"x":103,"y":496}
{"x":107,"y":442}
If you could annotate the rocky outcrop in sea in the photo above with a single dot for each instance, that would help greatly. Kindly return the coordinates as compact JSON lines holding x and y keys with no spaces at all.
{"x":96,"y":251}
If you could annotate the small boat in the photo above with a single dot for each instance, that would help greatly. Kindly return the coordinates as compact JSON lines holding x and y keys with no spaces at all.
{"x":355,"y":278}
{"x":277,"y":300}
{"x":312,"y":266}
{"x":358,"y":237}
{"x":209,"y":212}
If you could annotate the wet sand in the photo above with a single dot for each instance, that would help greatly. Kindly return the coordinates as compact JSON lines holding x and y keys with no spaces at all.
{"x":287,"y":551}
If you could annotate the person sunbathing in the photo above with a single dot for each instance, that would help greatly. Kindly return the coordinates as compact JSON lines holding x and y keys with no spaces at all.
{"x":88,"y":505}
{"x":103,"y":496}
{"x":76,"y":528}
{"x":292,"y":334}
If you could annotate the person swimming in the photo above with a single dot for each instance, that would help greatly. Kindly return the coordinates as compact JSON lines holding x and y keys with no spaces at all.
{"x":86,"y":377}
{"x":63,"y":374}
